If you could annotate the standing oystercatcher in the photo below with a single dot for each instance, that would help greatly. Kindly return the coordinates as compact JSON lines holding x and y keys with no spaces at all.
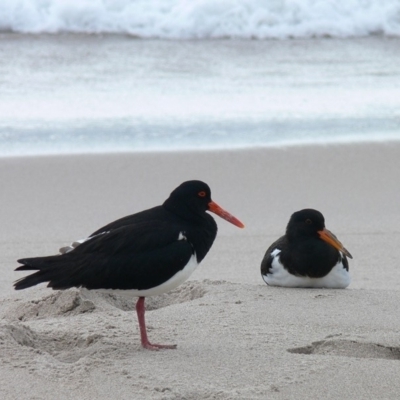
{"x":147,"y":253}
{"x":308,"y":255}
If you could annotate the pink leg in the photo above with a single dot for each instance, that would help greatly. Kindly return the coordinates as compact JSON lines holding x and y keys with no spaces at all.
{"x":140,"y":309}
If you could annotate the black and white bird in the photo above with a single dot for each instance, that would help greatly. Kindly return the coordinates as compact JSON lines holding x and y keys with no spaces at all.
{"x":308,"y":255}
{"x":148,"y":253}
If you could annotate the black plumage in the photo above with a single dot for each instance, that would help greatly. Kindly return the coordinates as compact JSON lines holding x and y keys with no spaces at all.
{"x":307,"y":249}
{"x":140,"y":252}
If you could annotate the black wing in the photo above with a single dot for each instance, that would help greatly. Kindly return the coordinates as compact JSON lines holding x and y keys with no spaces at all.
{"x":344,"y":261}
{"x":137,"y":256}
{"x":266,"y":263}
{"x":152,"y":214}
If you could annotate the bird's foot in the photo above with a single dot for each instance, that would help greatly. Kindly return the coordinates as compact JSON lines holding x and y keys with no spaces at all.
{"x":153,"y":346}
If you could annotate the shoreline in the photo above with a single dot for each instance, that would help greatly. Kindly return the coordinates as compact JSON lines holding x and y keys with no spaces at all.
{"x":323,"y":143}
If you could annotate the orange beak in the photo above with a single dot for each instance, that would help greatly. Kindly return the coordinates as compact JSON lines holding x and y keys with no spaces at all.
{"x":331,"y":239}
{"x":216,"y":209}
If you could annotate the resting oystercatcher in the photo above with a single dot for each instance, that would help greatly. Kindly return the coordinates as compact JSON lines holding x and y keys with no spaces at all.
{"x":308,"y":255}
{"x":147,"y":253}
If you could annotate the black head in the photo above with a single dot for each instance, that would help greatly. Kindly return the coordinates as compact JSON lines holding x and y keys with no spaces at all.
{"x":309,"y":223}
{"x":305,"y":222}
{"x":192,"y":199}
{"x":195,"y":195}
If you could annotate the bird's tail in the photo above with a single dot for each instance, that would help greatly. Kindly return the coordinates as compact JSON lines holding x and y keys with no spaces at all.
{"x":49,"y":269}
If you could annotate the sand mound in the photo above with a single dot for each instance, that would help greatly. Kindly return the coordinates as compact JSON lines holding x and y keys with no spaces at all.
{"x":69,"y":302}
{"x":74,"y":302}
{"x":349,"y":348}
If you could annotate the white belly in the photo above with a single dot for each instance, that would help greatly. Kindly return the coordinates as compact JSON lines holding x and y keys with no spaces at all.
{"x":338,"y":277}
{"x":165,"y":287}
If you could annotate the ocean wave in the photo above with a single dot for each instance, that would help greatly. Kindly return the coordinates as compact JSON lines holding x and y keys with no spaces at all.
{"x":204,"y":19}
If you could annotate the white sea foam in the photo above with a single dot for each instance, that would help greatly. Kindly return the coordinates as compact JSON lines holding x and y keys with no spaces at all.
{"x":184,"y":19}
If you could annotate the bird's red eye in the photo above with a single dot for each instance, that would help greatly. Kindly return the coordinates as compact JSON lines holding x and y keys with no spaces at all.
{"x":202,"y":193}
{"x":308,"y":221}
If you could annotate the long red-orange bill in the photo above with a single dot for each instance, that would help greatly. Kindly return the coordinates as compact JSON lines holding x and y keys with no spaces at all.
{"x":330,"y":238}
{"x":216,"y":209}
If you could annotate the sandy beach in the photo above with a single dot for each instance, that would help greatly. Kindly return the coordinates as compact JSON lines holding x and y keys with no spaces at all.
{"x":237,"y":338}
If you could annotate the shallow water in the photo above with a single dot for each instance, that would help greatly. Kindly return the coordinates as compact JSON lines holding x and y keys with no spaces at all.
{"x":97,"y":93}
